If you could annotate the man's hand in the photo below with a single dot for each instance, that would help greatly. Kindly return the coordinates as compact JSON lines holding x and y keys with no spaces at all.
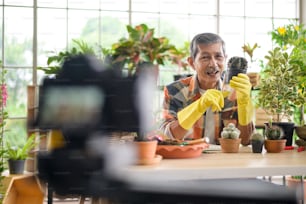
{"x":189,"y":115}
{"x":242,"y":85}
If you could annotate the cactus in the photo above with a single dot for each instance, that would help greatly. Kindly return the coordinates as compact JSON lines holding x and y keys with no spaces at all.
{"x":257,"y":136}
{"x":230,"y":132}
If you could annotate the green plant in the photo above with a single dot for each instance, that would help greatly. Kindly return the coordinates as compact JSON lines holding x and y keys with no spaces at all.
{"x":247,"y":48}
{"x":298,"y":177}
{"x":230,"y":132}
{"x":292,"y":37}
{"x":257,"y":136}
{"x":19,"y":152}
{"x":278,"y":90}
{"x":141,"y":46}
{"x":273,"y":132}
{"x":3,"y":117}
{"x":56,"y":60}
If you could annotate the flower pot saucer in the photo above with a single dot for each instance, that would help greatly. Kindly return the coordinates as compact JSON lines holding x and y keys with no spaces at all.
{"x":153,"y":161}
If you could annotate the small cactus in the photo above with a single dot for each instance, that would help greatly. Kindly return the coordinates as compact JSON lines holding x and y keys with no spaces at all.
{"x":230,"y":132}
{"x":274,"y":132}
{"x":257,"y":136}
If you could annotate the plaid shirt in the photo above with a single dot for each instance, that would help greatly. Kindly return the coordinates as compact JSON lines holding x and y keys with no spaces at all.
{"x":180,"y":94}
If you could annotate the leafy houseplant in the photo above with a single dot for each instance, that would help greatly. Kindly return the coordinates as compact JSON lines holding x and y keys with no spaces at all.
{"x":141,"y":46}
{"x":278,"y":90}
{"x":56,"y":60}
{"x":19,"y":153}
{"x":230,"y":140}
{"x":292,"y":37}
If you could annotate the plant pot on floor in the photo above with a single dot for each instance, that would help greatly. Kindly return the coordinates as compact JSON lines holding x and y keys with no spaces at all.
{"x":16,"y":166}
{"x":275,"y":146}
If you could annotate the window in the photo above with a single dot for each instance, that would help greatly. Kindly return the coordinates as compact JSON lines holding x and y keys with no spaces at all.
{"x":102,"y":22}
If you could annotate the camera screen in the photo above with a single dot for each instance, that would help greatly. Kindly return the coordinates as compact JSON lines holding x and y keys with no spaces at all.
{"x":73,"y":106}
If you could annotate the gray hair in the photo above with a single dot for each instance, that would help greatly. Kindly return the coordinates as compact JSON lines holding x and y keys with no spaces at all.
{"x":206,"y":39}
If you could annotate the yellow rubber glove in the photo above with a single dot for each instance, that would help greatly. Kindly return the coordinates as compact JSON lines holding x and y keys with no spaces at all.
{"x":189,"y":115}
{"x":242,"y":85}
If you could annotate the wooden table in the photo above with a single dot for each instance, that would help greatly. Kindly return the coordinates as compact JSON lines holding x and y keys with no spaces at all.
{"x":212,"y":165}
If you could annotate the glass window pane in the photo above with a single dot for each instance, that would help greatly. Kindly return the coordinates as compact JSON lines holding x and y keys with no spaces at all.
{"x":18,"y":36}
{"x":285,"y":9}
{"x":258,"y":8}
{"x":115,"y":5}
{"x":113,"y":28}
{"x":232,"y":32}
{"x":259,"y":35}
{"x":52,"y":4}
{"x":19,"y":2}
{"x":1,"y":28}
{"x":204,"y":7}
{"x":174,"y":28}
{"x":174,"y":6}
{"x":145,"y":5}
{"x":17,"y":80}
{"x":84,"y":4}
{"x":78,"y":19}
{"x":202,"y":24}
{"x":17,"y":130}
{"x":52,"y":32}
{"x":152,"y":20}
{"x":232,"y":7}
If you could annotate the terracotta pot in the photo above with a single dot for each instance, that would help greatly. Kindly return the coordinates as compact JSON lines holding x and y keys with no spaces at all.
{"x":146,"y":151}
{"x":230,"y":145}
{"x":296,"y":184}
{"x":275,"y":146}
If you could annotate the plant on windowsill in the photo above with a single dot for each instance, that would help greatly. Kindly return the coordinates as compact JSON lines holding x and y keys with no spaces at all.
{"x":230,"y":140}
{"x":16,"y":153}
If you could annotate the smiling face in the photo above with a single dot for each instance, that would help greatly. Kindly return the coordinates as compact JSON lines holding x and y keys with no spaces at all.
{"x":209,"y":64}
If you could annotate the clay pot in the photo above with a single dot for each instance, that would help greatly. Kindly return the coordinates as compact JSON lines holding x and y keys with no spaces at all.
{"x":296,"y":184}
{"x":275,"y":146}
{"x":230,"y":145}
{"x":146,"y":151}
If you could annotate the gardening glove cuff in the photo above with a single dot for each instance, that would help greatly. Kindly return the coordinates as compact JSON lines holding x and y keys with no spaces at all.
{"x":189,"y":115}
{"x":242,"y":85}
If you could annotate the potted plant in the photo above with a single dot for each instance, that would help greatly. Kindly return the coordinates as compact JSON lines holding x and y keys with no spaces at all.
{"x":230,"y":140}
{"x":56,"y":60}
{"x":274,"y":142}
{"x":17,"y":154}
{"x":292,"y":37}
{"x":257,"y":141}
{"x":295,"y":183}
{"x":141,"y":46}
{"x":278,"y":90}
